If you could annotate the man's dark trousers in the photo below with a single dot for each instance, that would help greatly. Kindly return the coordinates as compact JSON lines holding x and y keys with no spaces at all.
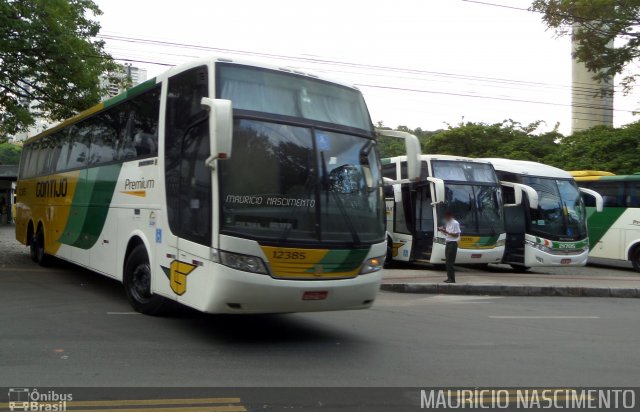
{"x":450,"y":252}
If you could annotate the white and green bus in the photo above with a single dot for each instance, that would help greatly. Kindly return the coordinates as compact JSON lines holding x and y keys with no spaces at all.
{"x":549,"y":226}
{"x":615,"y":233}
{"x":226,"y":186}
{"x":469,"y":188}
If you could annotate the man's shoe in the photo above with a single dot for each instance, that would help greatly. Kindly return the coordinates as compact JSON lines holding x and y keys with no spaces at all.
{"x":449,"y":281}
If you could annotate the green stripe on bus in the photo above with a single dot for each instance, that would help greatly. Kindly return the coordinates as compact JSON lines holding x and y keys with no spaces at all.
{"x":95,"y":187}
{"x":134,"y":91}
{"x":342,"y":260}
{"x":600,"y":223}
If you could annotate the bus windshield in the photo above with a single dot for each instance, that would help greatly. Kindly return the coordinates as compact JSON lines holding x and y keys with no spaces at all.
{"x":560,"y":211}
{"x":285,"y":94}
{"x":291,"y":183}
{"x":477,"y":206}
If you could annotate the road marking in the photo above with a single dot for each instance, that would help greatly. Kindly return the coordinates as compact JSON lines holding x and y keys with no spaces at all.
{"x":157,"y":402}
{"x":544,"y":317}
{"x":221,"y":408}
{"x":124,"y":313}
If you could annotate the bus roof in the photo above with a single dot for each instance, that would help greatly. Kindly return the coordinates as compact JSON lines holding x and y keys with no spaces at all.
{"x":525,"y":167}
{"x":590,"y":173}
{"x":608,"y":178}
{"x":176,"y":69}
{"x":434,"y":157}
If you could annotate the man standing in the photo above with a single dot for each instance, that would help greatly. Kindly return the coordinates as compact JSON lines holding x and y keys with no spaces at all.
{"x":452,"y":237}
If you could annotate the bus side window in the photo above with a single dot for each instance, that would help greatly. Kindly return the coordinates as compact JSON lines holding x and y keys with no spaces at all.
{"x":64,"y":146}
{"x":612,"y":193}
{"x":103,"y":137}
{"x":633,"y":194}
{"x":145,"y":111}
{"x":79,"y":135}
{"x":389,"y":171}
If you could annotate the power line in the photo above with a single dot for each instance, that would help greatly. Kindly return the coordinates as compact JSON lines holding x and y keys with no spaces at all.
{"x":326,"y":61}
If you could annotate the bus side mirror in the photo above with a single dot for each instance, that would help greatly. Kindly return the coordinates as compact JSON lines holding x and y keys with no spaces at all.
{"x":531,"y":194}
{"x":412,"y":147}
{"x":517,"y":192}
{"x":596,"y":196}
{"x":220,"y":129}
{"x":439,"y":193}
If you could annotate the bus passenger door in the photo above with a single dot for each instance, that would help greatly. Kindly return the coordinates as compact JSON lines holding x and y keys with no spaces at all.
{"x":187,"y":261}
{"x":424,"y":225}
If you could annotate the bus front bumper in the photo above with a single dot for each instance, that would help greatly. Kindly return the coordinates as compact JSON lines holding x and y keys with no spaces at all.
{"x":468,"y":256}
{"x":535,"y":257}
{"x":235,"y":291}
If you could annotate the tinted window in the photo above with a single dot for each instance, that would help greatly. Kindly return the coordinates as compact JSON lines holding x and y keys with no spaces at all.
{"x":139,"y":137}
{"x":612,"y":193}
{"x":103,"y":138}
{"x":276,"y":92}
{"x":633,"y":194}
{"x":188,"y":180}
{"x":389,"y":171}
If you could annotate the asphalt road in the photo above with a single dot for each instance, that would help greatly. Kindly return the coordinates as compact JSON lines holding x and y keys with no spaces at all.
{"x":65,"y":326}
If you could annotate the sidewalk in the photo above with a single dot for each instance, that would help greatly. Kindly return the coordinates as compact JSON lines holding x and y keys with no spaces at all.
{"x":499,"y":280}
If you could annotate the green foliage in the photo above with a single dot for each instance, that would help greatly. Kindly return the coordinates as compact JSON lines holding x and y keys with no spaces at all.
{"x":601,"y":148}
{"x":390,"y":146}
{"x":601,"y":22}
{"x":9,"y":154}
{"x":49,"y":60}
{"x":508,"y":139}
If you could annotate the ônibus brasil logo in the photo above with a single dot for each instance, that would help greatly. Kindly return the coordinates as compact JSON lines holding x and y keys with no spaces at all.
{"x":26,"y":399}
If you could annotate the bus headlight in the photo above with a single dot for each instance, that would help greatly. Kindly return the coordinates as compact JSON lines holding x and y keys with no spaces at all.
{"x":539,"y":246}
{"x":245,"y":263}
{"x":372,"y":265}
{"x":500,"y":242}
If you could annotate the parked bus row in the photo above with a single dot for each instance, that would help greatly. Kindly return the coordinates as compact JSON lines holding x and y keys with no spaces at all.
{"x":522,"y":213}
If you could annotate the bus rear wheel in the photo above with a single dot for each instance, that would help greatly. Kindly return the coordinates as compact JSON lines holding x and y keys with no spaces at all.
{"x":36,"y":251}
{"x":635,"y":259}
{"x":137,"y":284}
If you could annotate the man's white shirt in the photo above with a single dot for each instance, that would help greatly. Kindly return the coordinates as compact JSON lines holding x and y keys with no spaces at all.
{"x":453,"y":231}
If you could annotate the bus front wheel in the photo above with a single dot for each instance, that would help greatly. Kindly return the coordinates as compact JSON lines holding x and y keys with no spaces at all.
{"x":137,"y":283}
{"x":635,"y":259}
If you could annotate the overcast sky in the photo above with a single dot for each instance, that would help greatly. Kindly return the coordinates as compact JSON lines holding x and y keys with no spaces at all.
{"x":458,"y":59}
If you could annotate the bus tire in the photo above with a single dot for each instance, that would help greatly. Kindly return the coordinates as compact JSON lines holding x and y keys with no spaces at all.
{"x":137,"y":283}
{"x":37,"y":252}
{"x":519,"y":268}
{"x":635,"y":258}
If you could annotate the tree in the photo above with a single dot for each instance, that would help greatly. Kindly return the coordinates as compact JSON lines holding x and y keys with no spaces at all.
{"x":598,"y":23}
{"x":49,"y":61}
{"x":600,"y":148}
{"x":9,"y":154}
{"x":508,"y":139}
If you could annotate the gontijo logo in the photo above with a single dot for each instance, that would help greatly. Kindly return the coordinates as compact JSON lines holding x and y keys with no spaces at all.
{"x":25,"y":399}
{"x":52,"y":188}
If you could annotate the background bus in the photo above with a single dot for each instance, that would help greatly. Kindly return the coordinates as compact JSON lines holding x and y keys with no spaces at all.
{"x":274,"y":206}
{"x":549,"y":227}
{"x":615,"y":233}
{"x":467,"y":187}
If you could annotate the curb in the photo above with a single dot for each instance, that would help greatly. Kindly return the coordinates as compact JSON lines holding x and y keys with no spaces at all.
{"x":513,"y":290}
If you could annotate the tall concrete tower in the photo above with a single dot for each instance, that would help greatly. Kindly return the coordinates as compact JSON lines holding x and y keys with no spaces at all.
{"x":588,"y":107}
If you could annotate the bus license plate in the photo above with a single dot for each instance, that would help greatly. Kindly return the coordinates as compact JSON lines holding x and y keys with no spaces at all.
{"x":565,"y":261}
